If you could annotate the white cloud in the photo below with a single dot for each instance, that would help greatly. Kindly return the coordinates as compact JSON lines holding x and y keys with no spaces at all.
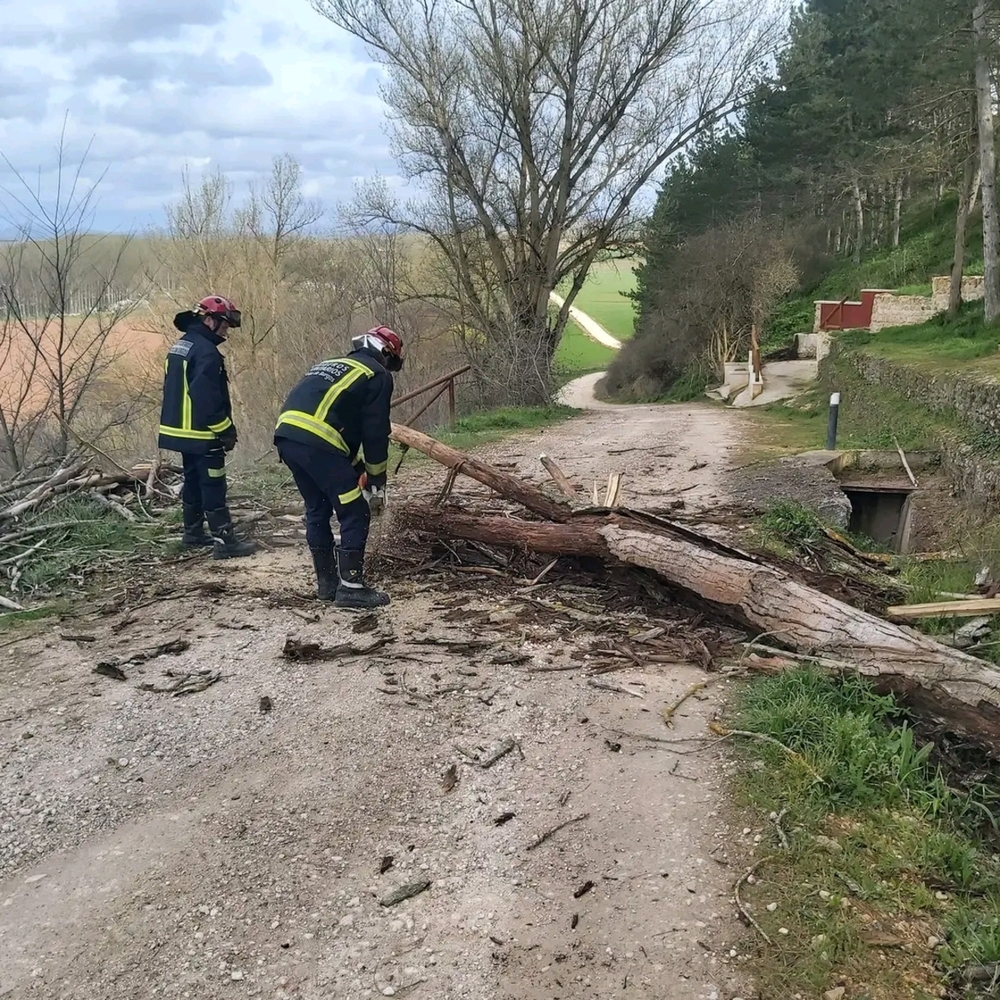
{"x":152,"y":86}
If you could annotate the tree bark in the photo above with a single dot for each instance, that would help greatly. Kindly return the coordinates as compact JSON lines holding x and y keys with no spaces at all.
{"x":961,"y":690}
{"x":961,"y":226}
{"x":958,"y":688}
{"x":987,"y":158}
{"x":897,"y":211}
{"x":579,"y":537}
{"x":859,"y":211}
{"x":509,"y":486}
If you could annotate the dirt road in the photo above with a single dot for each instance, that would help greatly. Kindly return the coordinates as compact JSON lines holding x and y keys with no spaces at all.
{"x":212,"y":846}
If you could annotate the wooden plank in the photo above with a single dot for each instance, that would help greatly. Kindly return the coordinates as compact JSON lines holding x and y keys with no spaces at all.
{"x":947,"y":609}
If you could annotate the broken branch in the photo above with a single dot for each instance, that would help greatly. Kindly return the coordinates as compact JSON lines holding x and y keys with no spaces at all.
{"x":539,"y":840}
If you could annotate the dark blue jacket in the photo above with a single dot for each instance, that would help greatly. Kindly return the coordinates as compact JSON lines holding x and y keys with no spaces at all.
{"x":196,"y":406}
{"x":342,"y":406}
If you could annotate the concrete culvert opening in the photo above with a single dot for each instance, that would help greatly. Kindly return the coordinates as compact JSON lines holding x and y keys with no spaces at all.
{"x":882,"y":511}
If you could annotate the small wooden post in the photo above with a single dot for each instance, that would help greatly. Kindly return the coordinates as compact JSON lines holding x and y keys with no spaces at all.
{"x":451,"y":402}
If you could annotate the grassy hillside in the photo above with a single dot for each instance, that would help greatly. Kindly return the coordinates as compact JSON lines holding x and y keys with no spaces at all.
{"x":926,"y":249}
{"x":874,"y":417}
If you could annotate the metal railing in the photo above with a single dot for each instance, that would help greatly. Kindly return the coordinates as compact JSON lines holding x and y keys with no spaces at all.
{"x":443,"y":384}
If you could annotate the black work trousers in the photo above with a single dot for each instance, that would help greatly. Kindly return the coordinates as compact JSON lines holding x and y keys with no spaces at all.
{"x":205,"y":480}
{"x":328,"y":482}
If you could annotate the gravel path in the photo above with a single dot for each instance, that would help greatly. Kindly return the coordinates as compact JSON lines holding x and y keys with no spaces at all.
{"x":199,"y":846}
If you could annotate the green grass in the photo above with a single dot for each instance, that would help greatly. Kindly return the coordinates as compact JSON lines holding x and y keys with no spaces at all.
{"x":491,"y":425}
{"x":870,"y":417}
{"x":961,"y":343}
{"x":900,"y":854}
{"x":84,"y":539}
{"x":786,"y":526}
{"x":12,"y":619}
{"x":604,"y":297}
{"x":926,"y":249}
{"x":578,"y":354}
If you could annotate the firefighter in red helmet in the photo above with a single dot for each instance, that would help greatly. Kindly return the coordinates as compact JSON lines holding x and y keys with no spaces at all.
{"x":197,"y":420}
{"x":333,"y":427}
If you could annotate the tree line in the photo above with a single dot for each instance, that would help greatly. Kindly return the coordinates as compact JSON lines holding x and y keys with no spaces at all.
{"x":872,"y":110}
{"x":525,"y":130}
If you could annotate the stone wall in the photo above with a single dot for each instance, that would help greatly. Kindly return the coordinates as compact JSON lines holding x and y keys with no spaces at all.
{"x":812,"y":345}
{"x":889,"y":309}
{"x":973,"y":290}
{"x":901,"y":310}
{"x":973,"y":403}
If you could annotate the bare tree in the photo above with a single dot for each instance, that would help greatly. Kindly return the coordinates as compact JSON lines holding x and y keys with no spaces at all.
{"x":302,"y":294}
{"x":23,"y":400}
{"x":62,"y":305}
{"x":988,"y":162}
{"x":531,"y":125}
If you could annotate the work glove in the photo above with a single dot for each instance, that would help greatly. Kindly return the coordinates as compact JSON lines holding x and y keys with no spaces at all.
{"x":376,"y":499}
{"x":228,"y":438}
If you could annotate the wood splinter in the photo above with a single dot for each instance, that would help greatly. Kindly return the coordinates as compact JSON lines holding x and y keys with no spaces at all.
{"x":559,"y":477}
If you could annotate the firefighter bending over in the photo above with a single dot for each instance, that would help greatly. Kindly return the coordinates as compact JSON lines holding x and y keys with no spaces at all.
{"x":197,"y":420}
{"x":333,"y":434}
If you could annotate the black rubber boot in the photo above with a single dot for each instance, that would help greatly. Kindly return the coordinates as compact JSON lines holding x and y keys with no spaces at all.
{"x":326,"y":574}
{"x":351,"y":591}
{"x":227,"y":544}
{"x":195,"y":534}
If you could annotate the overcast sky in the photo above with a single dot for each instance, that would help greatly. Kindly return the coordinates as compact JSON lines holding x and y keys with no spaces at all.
{"x":160,"y":84}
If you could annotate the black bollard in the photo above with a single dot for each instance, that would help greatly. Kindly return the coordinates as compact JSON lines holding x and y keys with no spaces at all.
{"x":831,"y":427}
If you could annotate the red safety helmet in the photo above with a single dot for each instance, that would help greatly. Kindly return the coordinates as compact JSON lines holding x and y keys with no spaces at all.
{"x":385,"y":342}
{"x":220,"y":308}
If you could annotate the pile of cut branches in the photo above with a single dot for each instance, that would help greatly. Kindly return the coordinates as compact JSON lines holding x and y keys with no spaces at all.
{"x":53,"y":513}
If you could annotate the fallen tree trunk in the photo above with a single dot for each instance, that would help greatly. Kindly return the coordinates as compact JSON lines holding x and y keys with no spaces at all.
{"x":580,"y":537}
{"x":964,"y":692}
{"x":508,"y":486}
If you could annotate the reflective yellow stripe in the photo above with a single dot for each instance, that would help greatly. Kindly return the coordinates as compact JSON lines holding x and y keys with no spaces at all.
{"x":186,"y":421}
{"x":186,"y":432}
{"x":217,"y":473}
{"x":323,"y":410}
{"x":350,"y":496}
{"x":377,"y":469}
{"x":221,"y":425}
{"x":307,"y":422}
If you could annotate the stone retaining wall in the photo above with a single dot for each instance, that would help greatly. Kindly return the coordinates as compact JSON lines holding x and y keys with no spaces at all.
{"x":973,"y":290}
{"x":901,"y":310}
{"x":973,"y":402}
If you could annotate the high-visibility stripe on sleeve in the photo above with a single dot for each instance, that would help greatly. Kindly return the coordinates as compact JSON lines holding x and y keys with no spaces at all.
{"x":376,"y":468}
{"x":186,"y":432}
{"x":187,"y":421}
{"x":350,"y":496}
{"x":221,"y":426}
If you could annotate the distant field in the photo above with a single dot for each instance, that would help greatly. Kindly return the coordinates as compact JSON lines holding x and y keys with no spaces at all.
{"x":578,"y":354}
{"x":602,"y":297}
